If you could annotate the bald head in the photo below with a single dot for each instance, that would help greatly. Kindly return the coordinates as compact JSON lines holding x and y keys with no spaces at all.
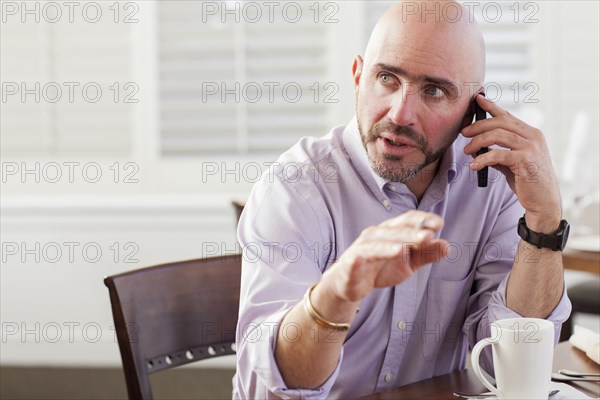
{"x":434,"y":32}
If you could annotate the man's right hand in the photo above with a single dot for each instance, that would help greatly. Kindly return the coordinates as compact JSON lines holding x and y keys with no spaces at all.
{"x":385,"y":255}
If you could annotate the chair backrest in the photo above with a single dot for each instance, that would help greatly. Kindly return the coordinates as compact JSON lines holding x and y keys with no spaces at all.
{"x":238,"y":206}
{"x":174,"y":314}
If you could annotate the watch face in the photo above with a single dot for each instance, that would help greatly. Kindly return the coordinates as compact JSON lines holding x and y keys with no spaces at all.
{"x":556,"y":241}
{"x":564,"y":229}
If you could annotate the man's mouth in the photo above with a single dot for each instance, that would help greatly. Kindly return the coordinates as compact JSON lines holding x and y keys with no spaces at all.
{"x":394,"y":143}
{"x":395,"y":140}
{"x":392,"y":146}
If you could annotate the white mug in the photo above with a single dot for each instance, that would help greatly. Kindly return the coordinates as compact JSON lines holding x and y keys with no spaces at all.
{"x":522,"y":351}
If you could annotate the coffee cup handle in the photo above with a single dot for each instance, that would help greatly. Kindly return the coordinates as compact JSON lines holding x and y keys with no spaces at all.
{"x":475,"y":364}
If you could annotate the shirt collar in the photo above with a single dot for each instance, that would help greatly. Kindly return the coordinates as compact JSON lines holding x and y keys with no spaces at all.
{"x":358,"y":156}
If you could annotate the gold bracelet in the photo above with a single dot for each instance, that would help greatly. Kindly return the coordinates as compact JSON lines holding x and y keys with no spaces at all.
{"x":310,"y":310}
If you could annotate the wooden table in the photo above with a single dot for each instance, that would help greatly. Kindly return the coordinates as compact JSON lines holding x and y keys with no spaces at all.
{"x":569,"y":357}
{"x":441,"y":387}
{"x":588,"y":261}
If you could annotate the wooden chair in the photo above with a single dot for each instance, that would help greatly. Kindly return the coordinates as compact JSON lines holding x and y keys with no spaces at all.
{"x":238,"y":206}
{"x":174,"y":314}
{"x":585,"y":298}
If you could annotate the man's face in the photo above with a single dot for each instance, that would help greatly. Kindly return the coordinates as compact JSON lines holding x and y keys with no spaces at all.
{"x":411,"y":104}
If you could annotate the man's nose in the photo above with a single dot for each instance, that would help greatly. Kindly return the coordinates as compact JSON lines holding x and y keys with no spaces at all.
{"x":404,"y":108}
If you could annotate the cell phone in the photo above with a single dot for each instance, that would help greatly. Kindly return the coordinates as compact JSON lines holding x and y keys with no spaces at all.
{"x":482,"y":174}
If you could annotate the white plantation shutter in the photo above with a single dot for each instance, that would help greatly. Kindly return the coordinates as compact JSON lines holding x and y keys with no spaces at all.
{"x":508,"y":46}
{"x":23,"y":62}
{"x":508,"y":52}
{"x":96,"y":55}
{"x":294,"y":55}
{"x":69,"y":61}
{"x":193,"y":54}
{"x":268,"y":78}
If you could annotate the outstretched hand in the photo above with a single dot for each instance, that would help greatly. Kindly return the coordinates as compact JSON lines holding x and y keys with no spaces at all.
{"x":387,"y":254}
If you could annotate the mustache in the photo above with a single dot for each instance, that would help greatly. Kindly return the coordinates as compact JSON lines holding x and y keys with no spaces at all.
{"x":398,"y":130}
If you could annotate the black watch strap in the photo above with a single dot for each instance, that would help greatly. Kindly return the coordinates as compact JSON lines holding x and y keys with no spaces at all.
{"x":554,"y":241}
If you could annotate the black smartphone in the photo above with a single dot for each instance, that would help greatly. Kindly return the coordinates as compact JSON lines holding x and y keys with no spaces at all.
{"x":482,"y":174}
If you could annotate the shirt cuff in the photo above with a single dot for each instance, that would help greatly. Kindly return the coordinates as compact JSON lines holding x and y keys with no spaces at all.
{"x":267,"y":370}
{"x":497,"y":308}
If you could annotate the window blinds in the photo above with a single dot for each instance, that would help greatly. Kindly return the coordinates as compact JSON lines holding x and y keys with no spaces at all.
{"x":241,"y":87}
{"x":66,"y":78}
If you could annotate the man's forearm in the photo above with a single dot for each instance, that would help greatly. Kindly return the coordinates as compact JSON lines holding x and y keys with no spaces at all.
{"x":536,"y":282}
{"x":307,"y":354}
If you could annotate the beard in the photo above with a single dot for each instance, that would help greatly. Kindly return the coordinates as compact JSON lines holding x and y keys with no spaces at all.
{"x":392,"y":168}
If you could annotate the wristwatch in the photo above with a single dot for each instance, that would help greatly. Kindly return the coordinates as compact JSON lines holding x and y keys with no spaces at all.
{"x":554,"y":241}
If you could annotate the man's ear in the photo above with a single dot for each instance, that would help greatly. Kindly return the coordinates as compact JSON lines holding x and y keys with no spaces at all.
{"x":468,"y":117}
{"x":470,"y":114}
{"x":357,"y":67}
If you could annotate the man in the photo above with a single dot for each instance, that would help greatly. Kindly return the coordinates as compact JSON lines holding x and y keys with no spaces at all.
{"x":385,"y":217}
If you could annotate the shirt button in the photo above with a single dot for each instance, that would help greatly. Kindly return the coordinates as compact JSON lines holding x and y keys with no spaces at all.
{"x":401,"y":324}
{"x":386,"y":202}
{"x":388,"y":377}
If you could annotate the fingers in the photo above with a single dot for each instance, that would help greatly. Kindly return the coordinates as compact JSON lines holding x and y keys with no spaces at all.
{"x":521,"y":143}
{"x":502,"y":120}
{"x":429,"y":252}
{"x":506,"y":122}
{"x":416,"y":220}
{"x":388,"y":254}
{"x":412,"y":228}
{"x":375,"y":250}
{"x":405,"y":255}
{"x":406,"y":236}
{"x":402,"y":260}
{"x":509,"y":159}
{"x":487,"y":105}
{"x":492,"y":158}
{"x":497,"y":136}
{"x":398,"y":234}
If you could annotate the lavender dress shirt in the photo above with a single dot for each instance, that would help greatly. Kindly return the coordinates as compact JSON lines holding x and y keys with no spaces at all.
{"x":310,"y":206}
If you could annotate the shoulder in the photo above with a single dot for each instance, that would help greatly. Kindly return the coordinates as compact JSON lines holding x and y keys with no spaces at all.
{"x":311,"y":165}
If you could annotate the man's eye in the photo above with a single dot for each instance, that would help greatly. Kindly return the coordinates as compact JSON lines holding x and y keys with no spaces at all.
{"x":435,"y":92}
{"x":385,"y":79}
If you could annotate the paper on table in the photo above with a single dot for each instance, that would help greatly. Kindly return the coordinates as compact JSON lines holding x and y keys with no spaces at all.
{"x":586,"y":341}
{"x":566,"y":392}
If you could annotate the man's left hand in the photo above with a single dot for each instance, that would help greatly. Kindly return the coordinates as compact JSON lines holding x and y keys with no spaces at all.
{"x":524,"y":160}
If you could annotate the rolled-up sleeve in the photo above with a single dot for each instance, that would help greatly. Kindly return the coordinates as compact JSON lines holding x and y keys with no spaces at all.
{"x":498,"y":309}
{"x":487,"y":302}
{"x":257,"y":373}
{"x":283,"y":254}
